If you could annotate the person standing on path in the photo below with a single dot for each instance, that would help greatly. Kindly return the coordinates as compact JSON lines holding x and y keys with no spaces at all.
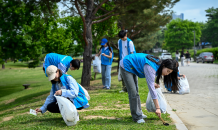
{"x":188,"y":58}
{"x":182,"y":57}
{"x":177,"y":55}
{"x":126,"y":47}
{"x":107,"y":54}
{"x":146,"y":66}
{"x":62,"y":62}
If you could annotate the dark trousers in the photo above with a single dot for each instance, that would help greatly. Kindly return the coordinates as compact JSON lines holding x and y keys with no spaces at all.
{"x":53,"y":108}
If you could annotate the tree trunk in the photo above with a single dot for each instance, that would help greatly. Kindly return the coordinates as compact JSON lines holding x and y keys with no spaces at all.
{"x":3,"y":65}
{"x":87,"y":55}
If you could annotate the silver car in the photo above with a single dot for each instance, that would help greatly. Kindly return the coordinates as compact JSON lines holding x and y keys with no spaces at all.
{"x":205,"y":57}
{"x":164,"y":56}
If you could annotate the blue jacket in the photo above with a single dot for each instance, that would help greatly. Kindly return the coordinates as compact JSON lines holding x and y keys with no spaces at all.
{"x":128,"y":49}
{"x":134,"y":63}
{"x":55,"y":59}
{"x":70,"y":89}
{"x":104,"y":59}
{"x":80,"y":100}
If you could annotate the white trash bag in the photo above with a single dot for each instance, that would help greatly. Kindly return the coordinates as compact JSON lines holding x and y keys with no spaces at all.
{"x":67,"y":110}
{"x":97,"y":65}
{"x":86,"y":92}
{"x":161,"y":100}
{"x":184,"y":86}
{"x":119,"y":75}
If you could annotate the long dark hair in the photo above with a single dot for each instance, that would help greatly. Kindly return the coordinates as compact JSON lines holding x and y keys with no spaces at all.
{"x":168,"y":79}
{"x":177,"y":52}
{"x":108,"y":47}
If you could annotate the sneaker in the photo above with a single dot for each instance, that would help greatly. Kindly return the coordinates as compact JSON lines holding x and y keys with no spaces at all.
{"x":107,"y":88}
{"x":122,"y":91}
{"x":169,"y":91}
{"x":144,"y":116}
{"x":141,"y":121}
{"x":104,"y":87}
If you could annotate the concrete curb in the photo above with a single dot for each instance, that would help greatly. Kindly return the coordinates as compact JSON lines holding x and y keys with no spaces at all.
{"x":178,"y":122}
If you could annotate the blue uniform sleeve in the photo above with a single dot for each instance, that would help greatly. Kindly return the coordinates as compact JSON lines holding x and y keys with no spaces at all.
{"x":74,"y":88}
{"x":62,"y":67}
{"x":48,"y":100}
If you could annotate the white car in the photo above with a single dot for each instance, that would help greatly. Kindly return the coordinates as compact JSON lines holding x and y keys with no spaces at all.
{"x":164,"y":56}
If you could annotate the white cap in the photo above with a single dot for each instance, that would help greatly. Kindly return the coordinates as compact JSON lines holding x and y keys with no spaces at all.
{"x":51,"y":72}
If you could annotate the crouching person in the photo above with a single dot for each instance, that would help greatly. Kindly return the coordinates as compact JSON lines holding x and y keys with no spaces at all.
{"x":63,"y":85}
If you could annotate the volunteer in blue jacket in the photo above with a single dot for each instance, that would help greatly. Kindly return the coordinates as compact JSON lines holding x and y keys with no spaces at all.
{"x":146,"y":66}
{"x":62,"y":62}
{"x":126,"y":47}
{"x":63,"y":85}
{"x":106,"y":53}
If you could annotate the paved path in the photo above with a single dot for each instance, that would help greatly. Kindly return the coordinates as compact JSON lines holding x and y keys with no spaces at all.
{"x":199,"y":109}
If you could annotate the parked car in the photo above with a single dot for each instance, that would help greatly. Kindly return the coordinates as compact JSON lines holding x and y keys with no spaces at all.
{"x":205,"y":57}
{"x":164,"y":56}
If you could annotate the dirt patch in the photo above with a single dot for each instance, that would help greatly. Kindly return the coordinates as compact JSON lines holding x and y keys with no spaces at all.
{"x":94,"y":87}
{"x":103,"y":117}
{"x":114,"y":68}
{"x":114,"y":73}
{"x":7,"y":118}
{"x":9,"y":101}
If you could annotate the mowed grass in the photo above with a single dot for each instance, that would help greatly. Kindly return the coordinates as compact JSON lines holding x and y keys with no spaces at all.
{"x":108,"y":109}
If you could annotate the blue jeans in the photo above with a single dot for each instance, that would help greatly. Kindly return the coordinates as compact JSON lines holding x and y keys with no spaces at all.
{"x":106,"y":75}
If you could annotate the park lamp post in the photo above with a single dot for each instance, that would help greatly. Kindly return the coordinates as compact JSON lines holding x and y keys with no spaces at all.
{"x":194,"y":46}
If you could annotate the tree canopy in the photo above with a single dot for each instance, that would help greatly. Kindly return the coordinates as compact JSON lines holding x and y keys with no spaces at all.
{"x":180,"y":34}
{"x":210,"y":29}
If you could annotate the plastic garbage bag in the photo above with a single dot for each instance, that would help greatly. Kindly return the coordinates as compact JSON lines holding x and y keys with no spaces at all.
{"x":97,"y":65}
{"x":184,"y":86}
{"x":119,"y":75}
{"x":67,"y":110}
{"x":161,"y":100}
{"x":86,"y":92}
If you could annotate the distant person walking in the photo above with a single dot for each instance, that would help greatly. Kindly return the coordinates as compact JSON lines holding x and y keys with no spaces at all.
{"x":106,"y":61}
{"x":177,"y":55}
{"x":188,"y":58}
{"x":182,"y":57}
{"x":126,"y":47}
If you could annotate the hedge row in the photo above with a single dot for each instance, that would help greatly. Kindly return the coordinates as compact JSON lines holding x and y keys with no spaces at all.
{"x":213,"y":50}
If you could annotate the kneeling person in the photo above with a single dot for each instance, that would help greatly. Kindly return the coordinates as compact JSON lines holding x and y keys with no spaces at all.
{"x":63,"y":85}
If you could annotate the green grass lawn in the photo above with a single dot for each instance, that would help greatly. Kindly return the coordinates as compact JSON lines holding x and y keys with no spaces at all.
{"x":108,"y":109}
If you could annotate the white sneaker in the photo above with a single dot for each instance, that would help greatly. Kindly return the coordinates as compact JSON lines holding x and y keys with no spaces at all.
{"x":141,"y":121}
{"x":144,"y":116}
{"x":122,"y":91}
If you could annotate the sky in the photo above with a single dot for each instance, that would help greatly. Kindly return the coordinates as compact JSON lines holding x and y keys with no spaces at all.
{"x":194,"y":9}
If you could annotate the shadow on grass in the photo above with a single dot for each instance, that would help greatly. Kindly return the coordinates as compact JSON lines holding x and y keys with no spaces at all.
{"x":22,"y":100}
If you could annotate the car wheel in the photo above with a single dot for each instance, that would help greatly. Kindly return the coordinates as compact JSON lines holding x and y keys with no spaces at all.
{"x":212,"y":62}
{"x":202,"y":61}
{"x":208,"y":62}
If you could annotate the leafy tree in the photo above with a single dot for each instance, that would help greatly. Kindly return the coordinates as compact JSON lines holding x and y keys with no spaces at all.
{"x":180,"y":35}
{"x":210,"y":30}
{"x":88,"y":10}
{"x":21,"y":24}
